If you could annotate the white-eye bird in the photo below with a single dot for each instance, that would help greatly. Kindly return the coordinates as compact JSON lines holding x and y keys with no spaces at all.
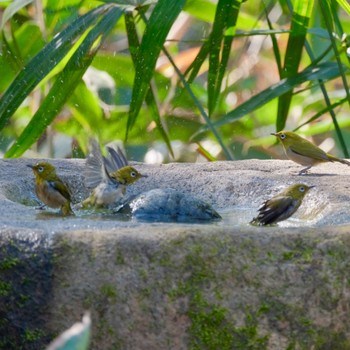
{"x":304,"y":152}
{"x":107,"y":177}
{"x":281,"y":206}
{"x":50,"y":189}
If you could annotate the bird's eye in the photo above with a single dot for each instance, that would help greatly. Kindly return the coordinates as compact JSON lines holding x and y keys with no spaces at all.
{"x":283,"y":136}
{"x":40,"y":169}
{"x":302,"y":189}
{"x":133,"y":174}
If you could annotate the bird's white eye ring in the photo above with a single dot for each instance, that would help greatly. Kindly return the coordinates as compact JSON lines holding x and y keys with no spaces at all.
{"x":40,"y":169}
{"x":283,"y":136}
{"x":302,"y":189}
{"x":133,"y":174}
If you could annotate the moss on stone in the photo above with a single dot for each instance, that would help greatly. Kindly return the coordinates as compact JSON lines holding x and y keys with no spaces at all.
{"x":211,"y":328}
{"x":24,"y":286}
{"x":109,"y":291}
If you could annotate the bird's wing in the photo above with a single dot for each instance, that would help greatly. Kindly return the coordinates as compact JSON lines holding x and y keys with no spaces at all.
{"x":95,"y":167}
{"x":116,"y":160}
{"x":275,"y":209}
{"x":61,"y":188}
{"x":308,"y":149}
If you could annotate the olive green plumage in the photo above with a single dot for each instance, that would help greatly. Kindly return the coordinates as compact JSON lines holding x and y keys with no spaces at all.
{"x":303,"y":151}
{"x":50,"y":189}
{"x":281,"y":206}
{"x":107,"y":177}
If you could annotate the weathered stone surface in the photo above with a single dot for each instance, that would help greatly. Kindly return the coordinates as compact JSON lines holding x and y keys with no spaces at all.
{"x":225,"y":285}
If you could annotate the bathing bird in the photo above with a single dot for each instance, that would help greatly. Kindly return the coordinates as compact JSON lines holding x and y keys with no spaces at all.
{"x":107,"y":177}
{"x":50,"y":189}
{"x":281,"y":206}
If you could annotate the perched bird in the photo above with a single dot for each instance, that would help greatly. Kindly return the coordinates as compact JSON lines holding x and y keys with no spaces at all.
{"x":281,"y":206}
{"x":107,"y":177}
{"x":50,"y":189}
{"x":303,"y":151}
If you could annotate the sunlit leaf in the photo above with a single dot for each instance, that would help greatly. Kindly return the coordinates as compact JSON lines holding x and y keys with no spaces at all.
{"x":43,"y":63}
{"x":324,"y":71}
{"x":300,"y":22}
{"x":201,"y":9}
{"x":220,"y":46}
{"x":161,"y":20}
{"x":345,"y":5}
{"x":13,"y":8}
{"x":134,"y":47}
{"x":65,"y":83}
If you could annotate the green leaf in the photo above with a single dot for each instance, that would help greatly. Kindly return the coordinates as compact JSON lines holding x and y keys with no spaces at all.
{"x":201,"y":9}
{"x":220,"y":46}
{"x":161,"y":20}
{"x":329,"y":108}
{"x":13,"y":8}
{"x":275,"y":47}
{"x":43,"y":63}
{"x":65,"y":83}
{"x":196,"y":65}
{"x":345,"y":5}
{"x":324,"y":71}
{"x":199,"y":106}
{"x":300,"y":21}
{"x":150,"y":97}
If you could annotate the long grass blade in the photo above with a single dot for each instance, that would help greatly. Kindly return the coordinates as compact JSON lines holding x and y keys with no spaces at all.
{"x":150,"y":98}
{"x":300,"y":22}
{"x":345,"y":5}
{"x":275,"y":46}
{"x":324,"y":71}
{"x":161,"y":20}
{"x":210,"y":124}
{"x":326,"y":12}
{"x":42,"y":64}
{"x":13,"y":8}
{"x":330,"y":108}
{"x":65,"y":83}
{"x":220,"y":46}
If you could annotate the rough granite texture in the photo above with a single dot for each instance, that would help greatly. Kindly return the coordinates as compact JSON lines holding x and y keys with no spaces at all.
{"x":223,"y":285}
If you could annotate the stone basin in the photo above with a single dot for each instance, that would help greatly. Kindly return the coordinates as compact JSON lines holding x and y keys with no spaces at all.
{"x":153,"y":285}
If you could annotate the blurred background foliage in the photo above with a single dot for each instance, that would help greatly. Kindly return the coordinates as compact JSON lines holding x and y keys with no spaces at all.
{"x":173,"y":80}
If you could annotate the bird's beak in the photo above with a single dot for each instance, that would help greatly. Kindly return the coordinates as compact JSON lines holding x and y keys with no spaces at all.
{"x":274,"y":134}
{"x":30,"y":166}
{"x":311,"y":187}
{"x":143,"y":175}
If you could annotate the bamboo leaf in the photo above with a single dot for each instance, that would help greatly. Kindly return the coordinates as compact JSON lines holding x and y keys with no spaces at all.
{"x":300,"y":22}
{"x":196,"y":65}
{"x":150,"y":98}
{"x":329,"y":108}
{"x":42,"y":64}
{"x":345,"y":5}
{"x":275,"y":47}
{"x":219,"y":47}
{"x":65,"y":83}
{"x":13,"y":8}
{"x":161,"y":20}
{"x":197,"y":103}
{"x":324,"y":71}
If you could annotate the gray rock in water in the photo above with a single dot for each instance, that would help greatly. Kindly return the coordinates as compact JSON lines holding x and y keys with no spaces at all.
{"x":167,"y":204}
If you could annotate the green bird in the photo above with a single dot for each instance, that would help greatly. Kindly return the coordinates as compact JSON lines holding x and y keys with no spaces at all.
{"x":107,"y":178}
{"x":50,"y":189}
{"x":303,"y":151}
{"x":281,"y":206}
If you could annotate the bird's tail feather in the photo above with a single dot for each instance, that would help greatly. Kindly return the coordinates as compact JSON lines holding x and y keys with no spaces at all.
{"x":340,"y":160}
